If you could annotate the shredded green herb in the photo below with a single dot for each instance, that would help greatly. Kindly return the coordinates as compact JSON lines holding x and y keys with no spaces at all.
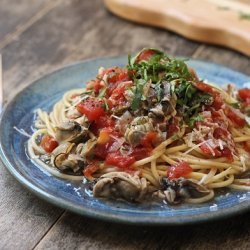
{"x":235,"y":105}
{"x":161,"y":69}
{"x":138,"y":94}
{"x":105,"y":105}
{"x":158,"y":67}
{"x":194,"y":119}
{"x":102,"y":93}
{"x":159,"y":91}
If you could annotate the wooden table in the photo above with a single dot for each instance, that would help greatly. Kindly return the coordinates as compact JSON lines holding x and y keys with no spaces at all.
{"x":38,"y":36}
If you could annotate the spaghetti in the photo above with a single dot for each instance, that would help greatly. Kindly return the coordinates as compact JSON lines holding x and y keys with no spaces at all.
{"x":152,"y":129}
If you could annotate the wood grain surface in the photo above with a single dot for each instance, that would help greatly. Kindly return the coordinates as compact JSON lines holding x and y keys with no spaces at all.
{"x":56,"y":33}
{"x":211,"y":21}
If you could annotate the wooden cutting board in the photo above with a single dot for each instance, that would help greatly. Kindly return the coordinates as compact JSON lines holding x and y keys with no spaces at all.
{"x":222,"y":22}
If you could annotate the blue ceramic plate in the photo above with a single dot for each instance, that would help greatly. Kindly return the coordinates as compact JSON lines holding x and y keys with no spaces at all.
{"x":74,"y":196}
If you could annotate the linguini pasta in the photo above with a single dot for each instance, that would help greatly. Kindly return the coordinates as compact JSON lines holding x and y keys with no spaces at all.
{"x":118,"y":137}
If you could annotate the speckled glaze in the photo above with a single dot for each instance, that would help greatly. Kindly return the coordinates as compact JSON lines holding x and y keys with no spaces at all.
{"x":74,"y":196}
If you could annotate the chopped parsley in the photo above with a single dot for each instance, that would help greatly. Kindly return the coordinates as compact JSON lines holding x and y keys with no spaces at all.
{"x":102,"y":93}
{"x":105,"y":104}
{"x":160,"y":69}
{"x":190,"y":100}
{"x":194,"y":119}
{"x":235,"y":105}
{"x":138,"y":94}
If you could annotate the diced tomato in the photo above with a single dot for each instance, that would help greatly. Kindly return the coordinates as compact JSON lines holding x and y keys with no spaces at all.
{"x":90,"y":169}
{"x":244,"y":94}
{"x":140,"y":153}
{"x":92,"y":108}
{"x":217,"y":117}
{"x":119,"y":160}
{"x":115,"y":76}
{"x":247,"y":146}
{"x":118,"y":76}
{"x":204,"y":87}
{"x":48,"y":143}
{"x":207,"y":150}
{"x":104,"y":136}
{"x":149,"y":139}
{"x":220,"y":133}
{"x":246,"y":103}
{"x":102,"y":122}
{"x":145,"y":55}
{"x":95,"y":85}
{"x":181,"y":169}
{"x":105,"y":121}
{"x":102,"y":150}
{"x":107,"y":144}
{"x":173,"y":127}
{"x":234,"y":117}
{"x":226,"y":152}
{"x":117,"y":95}
{"x":217,"y":102}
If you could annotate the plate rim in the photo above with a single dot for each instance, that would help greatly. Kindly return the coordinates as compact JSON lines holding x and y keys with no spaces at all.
{"x":102,"y":215}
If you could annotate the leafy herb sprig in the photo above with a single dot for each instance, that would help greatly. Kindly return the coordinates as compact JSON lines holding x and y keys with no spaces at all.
{"x":159,"y":68}
{"x":138,"y":94}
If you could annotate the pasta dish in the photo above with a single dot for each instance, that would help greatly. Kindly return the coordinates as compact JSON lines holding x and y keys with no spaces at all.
{"x":151,"y":130}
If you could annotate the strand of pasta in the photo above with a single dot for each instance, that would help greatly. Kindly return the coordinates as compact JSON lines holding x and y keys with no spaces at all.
{"x":222,"y":183}
{"x":50,"y":169}
{"x":245,"y":181}
{"x":221,"y":175}
{"x":209,"y":176}
{"x":169,"y":140}
{"x":207,"y":163}
{"x":176,"y":149}
{"x":148,"y":159}
{"x":202,"y":199}
{"x":239,"y":187}
{"x":32,"y":140}
{"x":246,"y":130}
{"x":162,"y":173}
{"x":66,"y":99}
{"x":236,"y":132}
{"x":196,"y":175}
{"x":168,"y":160}
{"x":154,"y":170}
{"x":242,"y":138}
{"x":150,"y":178}
{"x":213,"y":172}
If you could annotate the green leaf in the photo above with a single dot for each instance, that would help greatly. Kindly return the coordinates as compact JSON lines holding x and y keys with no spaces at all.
{"x":159,"y":91}
{"x":235,"y":105}
{"x":190,"y":91}
{"x":105,"y":105}
{"x":195,"y":118}
{"x":102,"y":93}
{"x":138,"y":94}
{"x":177,"y":69}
